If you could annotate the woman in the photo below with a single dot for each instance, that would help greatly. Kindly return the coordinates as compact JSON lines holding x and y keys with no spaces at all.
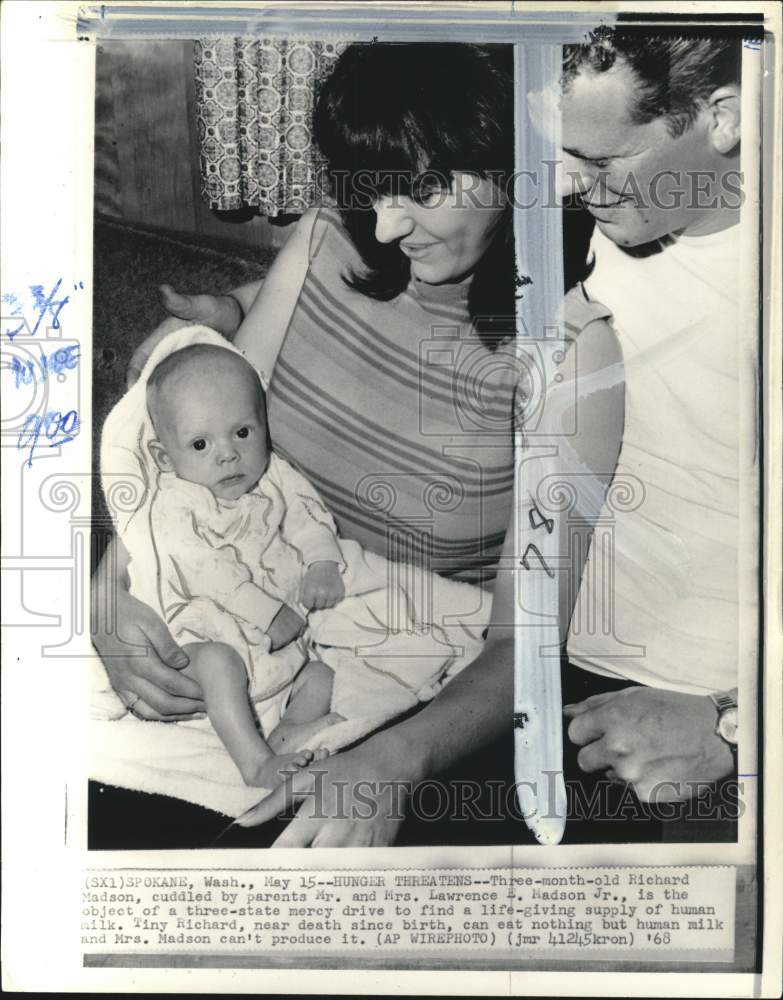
{"x":385,"y":330}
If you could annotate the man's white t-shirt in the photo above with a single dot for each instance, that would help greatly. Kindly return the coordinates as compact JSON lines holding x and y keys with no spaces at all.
{"x":658,"y":602}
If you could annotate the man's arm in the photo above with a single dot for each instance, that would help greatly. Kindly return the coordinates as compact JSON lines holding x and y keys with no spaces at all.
{"x":664,"y":743}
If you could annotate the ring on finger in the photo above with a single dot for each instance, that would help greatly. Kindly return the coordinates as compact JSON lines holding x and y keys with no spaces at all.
{"x":131,"y":705}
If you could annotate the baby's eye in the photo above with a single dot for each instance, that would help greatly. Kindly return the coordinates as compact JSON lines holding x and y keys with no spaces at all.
{"x":243,"y":432}
{"x":199,"y":444}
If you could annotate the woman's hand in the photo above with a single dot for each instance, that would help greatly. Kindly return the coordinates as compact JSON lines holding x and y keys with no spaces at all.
{"x":356,"y":799}
{"x":220,"y":312}
{"x":143,"y":661}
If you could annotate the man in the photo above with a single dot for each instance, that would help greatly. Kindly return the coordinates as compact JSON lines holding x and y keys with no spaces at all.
{"x":651,"y":130}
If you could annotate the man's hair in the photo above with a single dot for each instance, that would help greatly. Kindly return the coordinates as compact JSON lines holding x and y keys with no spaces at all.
{"x":676,"y":70}
{"x":206,"y":354}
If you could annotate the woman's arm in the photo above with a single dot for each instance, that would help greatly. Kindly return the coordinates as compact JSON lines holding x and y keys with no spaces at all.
{"x":136,"y":647}
{"x":255,"y":316}
{"x":266,"y":321}
{"x":223,"y":313}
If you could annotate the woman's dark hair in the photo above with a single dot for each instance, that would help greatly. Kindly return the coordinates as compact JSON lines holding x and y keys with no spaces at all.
{"x":391,"y":116}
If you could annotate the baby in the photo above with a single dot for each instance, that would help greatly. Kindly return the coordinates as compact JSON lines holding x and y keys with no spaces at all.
{"x":245,"y":550}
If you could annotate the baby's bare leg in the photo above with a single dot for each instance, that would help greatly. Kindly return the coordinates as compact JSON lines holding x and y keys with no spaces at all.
{"x":307,"y":711}
{"x":221,"y":673}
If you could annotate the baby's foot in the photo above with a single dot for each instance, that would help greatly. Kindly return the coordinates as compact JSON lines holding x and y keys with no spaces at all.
{"x":274,"y":770}
{"x":291,"y":734}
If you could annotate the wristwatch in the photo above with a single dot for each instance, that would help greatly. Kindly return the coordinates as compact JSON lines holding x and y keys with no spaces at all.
{"x":727,"y":726}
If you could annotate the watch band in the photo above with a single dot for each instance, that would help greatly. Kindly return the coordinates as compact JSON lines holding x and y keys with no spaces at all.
{"x":723,"y":700}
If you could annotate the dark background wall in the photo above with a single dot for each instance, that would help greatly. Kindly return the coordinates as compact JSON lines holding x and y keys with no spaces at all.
{"x":146,"y":147}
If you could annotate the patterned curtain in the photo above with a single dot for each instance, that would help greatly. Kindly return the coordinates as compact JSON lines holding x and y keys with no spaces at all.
{"x":254,"y":103}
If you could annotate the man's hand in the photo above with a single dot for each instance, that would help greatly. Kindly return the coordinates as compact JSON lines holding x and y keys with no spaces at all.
{"x":286,"y":626}
{"x":143,"y":660}
{"x":663,"y":743}
{"x":322,"y":586}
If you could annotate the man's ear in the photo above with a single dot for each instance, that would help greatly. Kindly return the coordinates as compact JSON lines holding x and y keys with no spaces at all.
{"x":724,"y":107}
{"x":160,"y":456}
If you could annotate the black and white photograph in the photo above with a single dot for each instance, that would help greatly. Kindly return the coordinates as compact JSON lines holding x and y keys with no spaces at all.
{"x":392,"y":456}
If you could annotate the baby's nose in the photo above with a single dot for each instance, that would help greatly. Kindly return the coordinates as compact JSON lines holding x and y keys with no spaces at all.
{"x":228,"y":452}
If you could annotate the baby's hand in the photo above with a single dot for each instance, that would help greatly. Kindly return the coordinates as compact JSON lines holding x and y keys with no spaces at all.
{"x":322,"y":586}
{"x":285,"y":627}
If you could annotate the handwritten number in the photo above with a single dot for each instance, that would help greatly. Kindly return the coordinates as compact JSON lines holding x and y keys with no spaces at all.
{"x":44,"y":303}
{"x":547,"y":522}
{"x":52,"y":423}
{"x":69,"y":422}
{"x":63,"y":360}
{"x":537,"y":553}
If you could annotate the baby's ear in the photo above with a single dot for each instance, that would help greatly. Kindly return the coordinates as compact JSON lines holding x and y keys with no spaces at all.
{"x":160,"y":456}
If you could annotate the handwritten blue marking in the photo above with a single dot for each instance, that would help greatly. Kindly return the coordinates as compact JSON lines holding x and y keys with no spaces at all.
{"x":51,"y":423}
{"x":43,"y":302}
{"x":28,"y":372}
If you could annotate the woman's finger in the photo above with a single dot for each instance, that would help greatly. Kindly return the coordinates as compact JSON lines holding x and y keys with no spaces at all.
{"x":163,"y":643}
{"x":300,"y":832}
{"x":341,"y":833}
{"x":278,"y":801}
{"x":148,"y":714}
{"x":176,"y":303}
{"x":132,"y":375}
{"x":222,"y":312}
{"x":165,"y":705}
{"x":168,"y":682}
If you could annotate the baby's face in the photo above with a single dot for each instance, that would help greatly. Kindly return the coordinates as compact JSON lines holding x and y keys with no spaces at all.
{"x":211,"y":428}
